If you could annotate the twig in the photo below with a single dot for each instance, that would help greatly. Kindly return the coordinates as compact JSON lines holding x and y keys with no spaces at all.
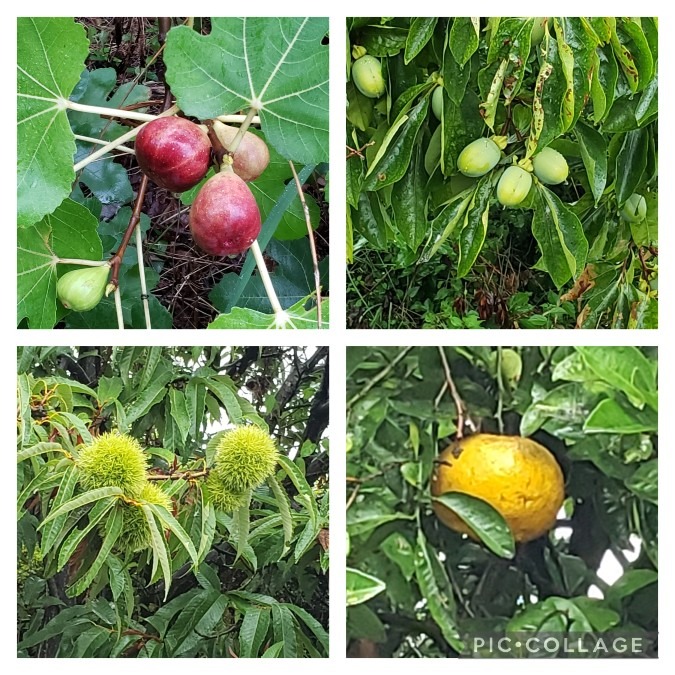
{"x":135,"y":220}
{"x":185,"y":475}
{"x":352,"y":496}
{"x":234,"y":146}
{"x":462,"y":416}
{"x":312,"y":244}
{"x":379,"y":377}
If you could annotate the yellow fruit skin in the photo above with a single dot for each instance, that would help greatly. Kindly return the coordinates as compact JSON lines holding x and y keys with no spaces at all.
{"x":479,"y":157}
{"x":550,"y":166}
{"x":518,"y":477}
{"x":513,"y":186}
{"x":367,"y":76}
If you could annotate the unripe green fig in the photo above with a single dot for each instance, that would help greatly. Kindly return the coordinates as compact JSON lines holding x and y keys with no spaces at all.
{"x":634,"y":209}
{"x":81,"y":290}
{"x":479,"y":157}
{"x":251,"y":157}
{"x":513,"y":186}
{"x":550,"y":166}
{"x":224,"y":217}
{"x":437,"y":102}
{"x":173,"y":152}
{"x":245,"y":457}
{"x":113,"y":460}
{"x":367,"y":76}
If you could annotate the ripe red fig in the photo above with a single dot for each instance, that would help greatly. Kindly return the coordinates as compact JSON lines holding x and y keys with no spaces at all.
{"x":251,"y":157}
{"x":173,"y":152}
{"x":224,"y":217}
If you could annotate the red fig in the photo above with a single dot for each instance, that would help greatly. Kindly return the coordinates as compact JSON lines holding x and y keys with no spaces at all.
{"x":173,"y":152}
{"x":224,"y":217}
{"x":251,"y":157}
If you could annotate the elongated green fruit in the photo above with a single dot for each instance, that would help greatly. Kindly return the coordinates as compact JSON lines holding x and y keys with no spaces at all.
{"x":513,"y":186}
{"x":634,"y":209}
{"x":367,"y":76}
{"x":550,"y":166}
{"x":81,"y":290}
{"x":479,"y":157}
{"x":437,"y":102}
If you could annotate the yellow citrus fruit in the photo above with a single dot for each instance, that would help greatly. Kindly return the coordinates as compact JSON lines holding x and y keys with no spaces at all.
{"x":518,"y":477}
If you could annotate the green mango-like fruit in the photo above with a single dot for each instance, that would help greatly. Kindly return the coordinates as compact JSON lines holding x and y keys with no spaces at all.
{"x":437,"y":102}
{"x":479,"y":157}
{"x":432,"y":156}
{"x":550,"y":166}
{"x":512,"y":366}
{"x":538,"y":30}
{"x":367,"y":76}
{"x":634,"y":209}
{"x":81,"y":290}
{"x":513,"y":186}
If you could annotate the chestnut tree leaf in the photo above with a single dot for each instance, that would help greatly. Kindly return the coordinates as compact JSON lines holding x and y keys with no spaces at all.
{"x":275,"y":64}
{"x":51,"y":54}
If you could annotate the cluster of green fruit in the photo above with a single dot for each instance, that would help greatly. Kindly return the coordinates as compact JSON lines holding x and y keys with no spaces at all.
{"x":482,"y":155}
{"x":244,"y":458}
{"x":224,"y":218}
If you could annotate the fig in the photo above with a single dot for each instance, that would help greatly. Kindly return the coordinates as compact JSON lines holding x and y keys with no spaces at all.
{"x":251,"y":157}
{"x":367,"y":76}
{"x":224,"y":218}
{"x":634,"y":209}
{"x":550,"y":166}
{"x":173,"y":152}
{"x":437,"y":102}
{"x":513,"y":186}
{"x":81,"y":290}
{"x":511,"y":367}
{"x":479,"y":157}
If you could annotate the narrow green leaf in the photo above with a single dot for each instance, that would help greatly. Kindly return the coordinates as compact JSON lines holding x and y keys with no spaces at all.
{"x":253,"y":631}
{"x":38,"y":449}
{"x":420,"y":32}
{"x":172,"y":524}
{"x":283,"y":625}
{"x":82,"y":500}
{"x":361,"y":587}
{"x":73,"y":540}
{"x":159,"y":551}
{"x":243,"y":520}
{"x":284,"y":505}
{"x":112,"y":533}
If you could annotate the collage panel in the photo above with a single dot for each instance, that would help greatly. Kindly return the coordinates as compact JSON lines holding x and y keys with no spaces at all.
{"x":502,"y":502}
{"x":172,"y":172}
{"x":502,"y":172}
{"x":172,"y":502}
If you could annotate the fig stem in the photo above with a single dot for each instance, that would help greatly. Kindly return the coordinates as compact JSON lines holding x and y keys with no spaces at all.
{"x":265,"y":277}
{"x":234,"y":146}
{"x":110,"y":112}
{"x":237,"y":119}
{"x":141,"y":269}
{"x":118,"y":309}
{"x":84,"y":263}
{"x":100,"y":141}
{"x":312,"y":244}
{"x":118,"y":141}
